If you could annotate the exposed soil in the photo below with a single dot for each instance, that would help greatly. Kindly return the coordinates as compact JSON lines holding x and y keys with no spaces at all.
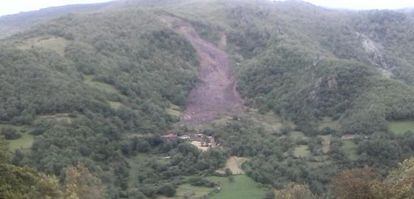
{"x":234,"y":163}
{"x":216,"y":94}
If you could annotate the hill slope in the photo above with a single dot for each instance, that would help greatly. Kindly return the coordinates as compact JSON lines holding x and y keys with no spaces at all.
{"x":98,"y":87}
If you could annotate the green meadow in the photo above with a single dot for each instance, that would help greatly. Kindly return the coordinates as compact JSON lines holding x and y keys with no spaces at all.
{"x":243,"y":187}
{"x":400,"y":127}
{"x":350,"y":149}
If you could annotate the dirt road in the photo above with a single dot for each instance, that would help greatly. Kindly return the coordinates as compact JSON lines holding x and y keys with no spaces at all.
{"x":216,"y":94}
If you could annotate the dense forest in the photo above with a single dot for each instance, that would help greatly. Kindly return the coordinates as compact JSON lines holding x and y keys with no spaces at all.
{"x":88,"y":93}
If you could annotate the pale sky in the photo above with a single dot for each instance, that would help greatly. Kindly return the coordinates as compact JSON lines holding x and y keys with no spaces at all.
{"x":364,"y":4}
{"x":16,"y":6}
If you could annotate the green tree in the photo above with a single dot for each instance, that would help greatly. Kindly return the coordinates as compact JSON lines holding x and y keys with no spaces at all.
{"x":295,"y":191}
{"x":4,"y":156}
{"x":398,"y":184}
{"x":353,"y":184}
{"x":167,"y":190}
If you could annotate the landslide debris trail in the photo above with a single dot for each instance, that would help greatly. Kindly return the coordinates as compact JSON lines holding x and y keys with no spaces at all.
{"x":216,"y":94}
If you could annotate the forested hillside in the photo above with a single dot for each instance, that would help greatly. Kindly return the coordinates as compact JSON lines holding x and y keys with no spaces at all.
{"x":92,"y":102}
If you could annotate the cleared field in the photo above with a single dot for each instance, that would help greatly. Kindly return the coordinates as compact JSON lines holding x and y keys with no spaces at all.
{"x":243,"y":187}
{"x":297,"y":135}
{"x":174,"y":110}
{"x":198,"y":145}
{"x":326,"y":143}
{"x":234,"y":164}
{"x":222,"y":120}
{"x":25,"y":142}
{"x":115,"y":105}
{"x":270,"y":121}
{"x":189,"y":191}
{"x":57,"y":44}
{"x":350,"y":149}
{"x":400,"y":127}
{"x":89,"y":80}
{"x":301,"y":151}
{"x":64,"y":118}
{"x":328,"y":122}
{"x":16,"y":127}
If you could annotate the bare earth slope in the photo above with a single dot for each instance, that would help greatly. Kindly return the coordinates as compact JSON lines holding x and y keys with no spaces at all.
{"x":216,"y":94}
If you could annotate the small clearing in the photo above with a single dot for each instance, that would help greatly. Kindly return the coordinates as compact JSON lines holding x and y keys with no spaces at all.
{"x":174,"y":110}
{"x":301,"y":151}
{"x":101,"y":86}
{"x":115,"y":105}
{"x":328,"y":122}
{"x":23,"y":143}
{"x":297,"y":136}
{"x":350,"y":149}
{"x":326,"y":143}
{"x":63,"y":118}
{"x":234,"y":163}
{"x":198,"y":145}
{"x":270,"y":121}
{"x":223,"y":41}
{"x":189,"y":191}
{"x":57,"y":44}
{"x":243,"y":187}
{"x":401,"y":127}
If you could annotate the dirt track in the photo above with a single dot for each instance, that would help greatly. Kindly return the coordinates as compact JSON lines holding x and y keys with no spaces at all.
{"x":216,"y":94}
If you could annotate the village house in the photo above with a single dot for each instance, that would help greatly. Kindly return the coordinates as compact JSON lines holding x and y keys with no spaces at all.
{"x":201,"y":141}
{"x":348,"y":136}
{"x":184,"y":137}
{"x":208,"y":141}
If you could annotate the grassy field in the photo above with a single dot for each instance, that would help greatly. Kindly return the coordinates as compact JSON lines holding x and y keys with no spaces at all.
{"x":400,"y":127}
{"x":297,"y":135}
{"x":243,"y":187}
{"x":269,"y":121}
{"x":107,"y":88}
{"x":115,"y":105}
{"x":349,"y":147}
{"x":24,"y":142}
{"x":220,"y":121}
{"x":326,"y":143}
{"x":234,"y":163}
{"x":174,"y":110}
{"x":190,"y":191}
{"x":63,"y":118}
{"x":328,"y":122}
{"x":57,"y":44}
{"x":301,"y":151}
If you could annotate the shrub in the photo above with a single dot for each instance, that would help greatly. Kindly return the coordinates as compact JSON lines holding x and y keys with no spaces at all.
{"x":167,"y":190}
{"x":10,"y":134}
{"x":228,"y":172}
{"x":201,"y":182}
